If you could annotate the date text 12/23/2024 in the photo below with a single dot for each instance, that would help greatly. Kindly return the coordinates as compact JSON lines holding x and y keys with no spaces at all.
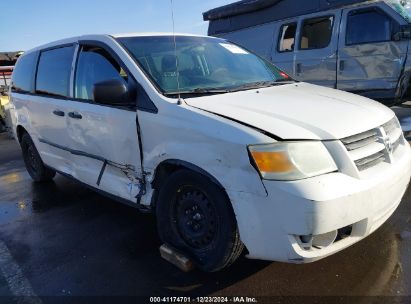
{"x":238,"y":299}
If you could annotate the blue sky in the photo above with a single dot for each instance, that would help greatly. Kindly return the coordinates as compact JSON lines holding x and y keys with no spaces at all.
{"x":25,"y":24}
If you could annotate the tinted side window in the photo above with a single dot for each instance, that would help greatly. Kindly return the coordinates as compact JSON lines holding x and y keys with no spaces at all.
{"x":95,"y":65}
{"x":22,"y":80}
{"x":367,"y":27}
{"x":53,"y":74}
{"x":287,"y":37}
{"x":316,"y":33}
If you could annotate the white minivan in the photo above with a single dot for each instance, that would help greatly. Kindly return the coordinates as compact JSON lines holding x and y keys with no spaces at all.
{"x":227,"y":150}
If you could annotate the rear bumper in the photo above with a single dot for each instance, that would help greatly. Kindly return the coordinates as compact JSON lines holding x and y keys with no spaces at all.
{"x":271,"y":227}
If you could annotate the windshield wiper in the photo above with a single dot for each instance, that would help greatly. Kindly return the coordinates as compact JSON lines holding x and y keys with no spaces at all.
{"x":198,"y":91}
{"x":247,"y":86}
{"x":210,"y":90}
{"x":259,"y":85}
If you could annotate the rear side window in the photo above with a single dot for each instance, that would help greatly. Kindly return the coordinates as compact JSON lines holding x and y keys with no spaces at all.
{"x":53,"y":73}
{"x":316,"y":33}
{"x":22,"y":80}
{"x":95,"y":65}
{"x":287,"y":37}
{"x":368,"y":27}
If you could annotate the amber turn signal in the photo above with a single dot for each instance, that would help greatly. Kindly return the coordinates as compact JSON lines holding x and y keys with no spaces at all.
{"x":272,"y":162}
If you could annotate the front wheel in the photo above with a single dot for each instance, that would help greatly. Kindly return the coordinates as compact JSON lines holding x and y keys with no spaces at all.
{"x":195,"y":216}
{"x":34,"y":165}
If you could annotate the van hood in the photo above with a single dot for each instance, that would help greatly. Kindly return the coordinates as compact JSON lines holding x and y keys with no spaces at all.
{"x":298,"y":111}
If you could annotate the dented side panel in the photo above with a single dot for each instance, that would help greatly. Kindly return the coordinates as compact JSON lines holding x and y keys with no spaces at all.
{"x":214,"y":144}
{"x":110,"y":134}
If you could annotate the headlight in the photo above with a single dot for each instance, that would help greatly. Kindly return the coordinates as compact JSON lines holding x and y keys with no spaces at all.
{"x":292,"y":160}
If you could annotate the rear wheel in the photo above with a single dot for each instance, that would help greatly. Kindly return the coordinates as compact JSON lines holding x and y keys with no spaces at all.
{"x":195,"y":216}
{"x":34,"y":165}
{"x":403,"y":89}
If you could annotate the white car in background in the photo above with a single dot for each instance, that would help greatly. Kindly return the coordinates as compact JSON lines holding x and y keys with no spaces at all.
{"x":226,"y":149}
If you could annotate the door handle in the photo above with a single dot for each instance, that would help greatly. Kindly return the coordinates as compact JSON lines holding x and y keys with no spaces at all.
{"x":342,"y":65}
{"x":58,"y":113}
{"x":298,"y":69}
{"x":75,"y":115}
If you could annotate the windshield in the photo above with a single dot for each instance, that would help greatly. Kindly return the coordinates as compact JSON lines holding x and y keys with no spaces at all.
{"x":403,"y":7}
{"x":203,"y":65}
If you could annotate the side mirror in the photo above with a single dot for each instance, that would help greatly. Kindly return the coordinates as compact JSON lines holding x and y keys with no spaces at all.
{"x":403,"y":34}
{"x":114,"y":92}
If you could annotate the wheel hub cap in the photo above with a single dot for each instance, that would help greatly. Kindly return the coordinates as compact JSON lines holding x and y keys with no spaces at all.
{"x":195,"y":218}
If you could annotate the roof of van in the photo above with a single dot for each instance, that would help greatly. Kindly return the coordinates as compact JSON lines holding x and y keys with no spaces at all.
{"x":247,"y":13}
{"x":106,"y":36}
{"x":147,"y":34}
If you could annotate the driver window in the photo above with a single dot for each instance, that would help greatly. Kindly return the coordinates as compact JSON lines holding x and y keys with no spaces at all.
{"x":95,"y":65}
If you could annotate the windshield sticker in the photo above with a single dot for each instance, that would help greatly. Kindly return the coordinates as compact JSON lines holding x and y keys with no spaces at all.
{"x":233,"y":48}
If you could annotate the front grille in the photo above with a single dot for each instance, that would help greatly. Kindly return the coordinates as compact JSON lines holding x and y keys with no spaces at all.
{"x":372,"y":147}
{"x":369,"y":161}
{"x":360,"y":140}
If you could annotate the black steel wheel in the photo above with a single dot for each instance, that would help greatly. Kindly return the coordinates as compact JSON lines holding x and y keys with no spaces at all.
{"x":195,"y":216}
{"x":34,"y":165}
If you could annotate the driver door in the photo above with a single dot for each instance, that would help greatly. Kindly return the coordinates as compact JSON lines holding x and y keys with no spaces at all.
{"x":104,"y":137}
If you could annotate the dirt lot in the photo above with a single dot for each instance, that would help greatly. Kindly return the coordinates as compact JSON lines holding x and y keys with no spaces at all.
{"x":61,"y":239}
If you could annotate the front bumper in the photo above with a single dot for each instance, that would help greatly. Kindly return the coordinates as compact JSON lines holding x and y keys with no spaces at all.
{"x":270,"y":227}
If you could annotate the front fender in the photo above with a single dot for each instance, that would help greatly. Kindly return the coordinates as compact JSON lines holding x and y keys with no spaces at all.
{"x":216,"y":145}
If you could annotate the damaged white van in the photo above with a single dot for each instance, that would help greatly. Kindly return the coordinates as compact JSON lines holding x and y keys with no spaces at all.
{"x":226,"y":149}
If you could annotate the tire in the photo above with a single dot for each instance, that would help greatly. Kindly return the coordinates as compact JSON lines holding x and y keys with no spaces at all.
{"x":2,"y":125}
{"x":195,"y":217}
{"x":34,"y":165}
{"x":403,"y":89}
